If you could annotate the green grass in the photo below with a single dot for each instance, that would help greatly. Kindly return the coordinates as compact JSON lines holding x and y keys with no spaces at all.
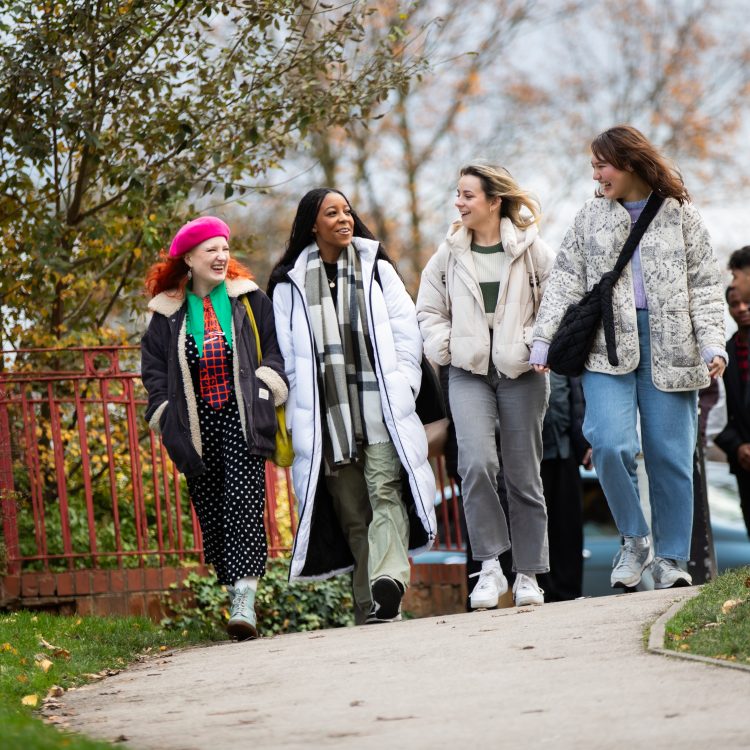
{"x":711,"y":625}
{"x":83,"y":646}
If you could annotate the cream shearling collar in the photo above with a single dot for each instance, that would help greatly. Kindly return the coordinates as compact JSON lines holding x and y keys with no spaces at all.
{"x":515,"y":240}
{"x":168,"y":303}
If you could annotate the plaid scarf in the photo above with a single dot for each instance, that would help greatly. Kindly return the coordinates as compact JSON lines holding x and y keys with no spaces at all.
{"x":354,"y":415}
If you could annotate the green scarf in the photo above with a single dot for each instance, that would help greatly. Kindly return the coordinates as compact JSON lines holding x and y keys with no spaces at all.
{"x":222,"y":307}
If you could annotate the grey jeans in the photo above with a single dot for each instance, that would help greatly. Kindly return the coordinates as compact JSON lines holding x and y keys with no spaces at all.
{"x":519,"y":404}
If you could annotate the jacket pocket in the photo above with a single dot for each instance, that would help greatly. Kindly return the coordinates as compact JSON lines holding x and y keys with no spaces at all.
{"x":264,"y":412}
{"x":680,"y":344}
{"x":176,"y":439}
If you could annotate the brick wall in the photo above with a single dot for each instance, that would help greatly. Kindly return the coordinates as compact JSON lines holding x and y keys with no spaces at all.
{"x":132,"y":591}
{"x":435,"y":590}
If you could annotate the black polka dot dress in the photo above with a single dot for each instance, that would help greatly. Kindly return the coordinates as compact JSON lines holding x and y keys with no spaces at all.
{"x":229,"y":496}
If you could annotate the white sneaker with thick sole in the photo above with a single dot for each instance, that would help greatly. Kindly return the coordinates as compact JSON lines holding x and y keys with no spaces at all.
{"x":492,"y":584}
{"x":634,"y":557}
{"x":668,"y":574}
{"x":526,"y":591}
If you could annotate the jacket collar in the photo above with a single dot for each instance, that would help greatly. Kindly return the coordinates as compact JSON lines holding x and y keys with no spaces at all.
{"x":169,"y":302}
{"x":515,"y":240}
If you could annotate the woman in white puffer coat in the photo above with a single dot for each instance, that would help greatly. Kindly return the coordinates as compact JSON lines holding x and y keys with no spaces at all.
{"x":352,"y":349}
{"x":476,"y":308}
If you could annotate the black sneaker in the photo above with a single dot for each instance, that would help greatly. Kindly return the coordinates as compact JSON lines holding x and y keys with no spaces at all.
{"x":386,"y":600}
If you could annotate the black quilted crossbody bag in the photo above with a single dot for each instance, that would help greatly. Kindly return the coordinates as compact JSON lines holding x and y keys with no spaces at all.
{"x":570,"y":346}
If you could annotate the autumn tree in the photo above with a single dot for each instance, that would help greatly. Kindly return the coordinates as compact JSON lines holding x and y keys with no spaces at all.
{"x":116,"y":117}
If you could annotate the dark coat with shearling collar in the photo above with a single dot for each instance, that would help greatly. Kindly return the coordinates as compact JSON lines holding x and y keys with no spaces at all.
{"x":172,"y":402}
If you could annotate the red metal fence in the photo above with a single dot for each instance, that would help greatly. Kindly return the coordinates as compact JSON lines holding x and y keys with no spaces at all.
{"x":84,"y":483}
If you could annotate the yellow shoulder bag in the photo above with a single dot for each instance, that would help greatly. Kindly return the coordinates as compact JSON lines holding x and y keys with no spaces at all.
{"x":283,"y":454}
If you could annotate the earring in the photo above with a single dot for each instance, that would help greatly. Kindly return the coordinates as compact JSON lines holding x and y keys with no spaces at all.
{"x":190,"y":273}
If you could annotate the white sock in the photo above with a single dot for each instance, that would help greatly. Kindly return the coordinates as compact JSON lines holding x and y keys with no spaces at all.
{"x":250,"y":581}
{"x":490,"y":564}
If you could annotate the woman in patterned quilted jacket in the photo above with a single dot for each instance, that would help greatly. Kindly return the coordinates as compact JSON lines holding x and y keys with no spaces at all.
{"x":669,"y":332}
{"x":212,"y":401}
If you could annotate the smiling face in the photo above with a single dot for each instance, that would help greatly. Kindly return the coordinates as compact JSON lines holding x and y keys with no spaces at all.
{"x":738,"y":308}
{"x":478,"y":212}
{"x":741,"y":282}
{"x":333,"y":226}
{"x":618,"y":184}
{"x":208,"y":262}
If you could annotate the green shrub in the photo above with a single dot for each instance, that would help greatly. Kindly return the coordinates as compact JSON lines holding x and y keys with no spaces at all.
{"x":281,"y":607}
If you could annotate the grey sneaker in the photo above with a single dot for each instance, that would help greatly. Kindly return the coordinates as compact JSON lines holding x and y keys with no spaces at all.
{"x":630,"y":562}
{"x":492,"y":584}
{"x":668,"y":574}
{"x":242,"y":624}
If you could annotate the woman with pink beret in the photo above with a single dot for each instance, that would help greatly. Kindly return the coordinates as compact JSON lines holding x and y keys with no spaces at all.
{"x":212,"y":401}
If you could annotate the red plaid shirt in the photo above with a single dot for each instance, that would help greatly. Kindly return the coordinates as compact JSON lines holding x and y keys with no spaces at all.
{"x":742,"y":354}
{"x":215,"y":382}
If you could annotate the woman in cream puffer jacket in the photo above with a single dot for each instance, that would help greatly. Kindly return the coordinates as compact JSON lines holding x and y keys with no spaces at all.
{"x":476,"y":307}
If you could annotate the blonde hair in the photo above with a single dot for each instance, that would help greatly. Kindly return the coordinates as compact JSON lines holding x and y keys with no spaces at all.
{"x":497,"y":182}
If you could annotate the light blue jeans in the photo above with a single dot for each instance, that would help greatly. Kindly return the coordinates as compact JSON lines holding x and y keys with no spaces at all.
{"x":669,"y":424}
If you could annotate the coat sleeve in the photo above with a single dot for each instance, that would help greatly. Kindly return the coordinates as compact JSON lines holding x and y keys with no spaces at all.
{"x":432,"y":310}
{"x":566,"y":283}
{"x":704,"y":282}
{"x":271,"y":370}
{"x":154,"y":368}
{"x":403,"y":319}
{"x":282,"y":310}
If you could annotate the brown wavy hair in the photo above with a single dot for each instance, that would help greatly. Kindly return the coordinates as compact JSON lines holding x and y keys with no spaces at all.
{"x":627,"y":149}
{"x":170,"y":275}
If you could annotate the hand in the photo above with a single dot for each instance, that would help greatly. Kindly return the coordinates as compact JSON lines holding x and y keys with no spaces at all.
{"x":717,"y":367}
{"x":541,"y":369}
{"x":586,"y":461}
{"x":743,"y":456}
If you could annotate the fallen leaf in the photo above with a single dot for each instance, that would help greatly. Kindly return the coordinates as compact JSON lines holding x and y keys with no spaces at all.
{"x":44,"y":664}
{"x":55,"y":692}
{"x":729,"y":605}
{"x":22,"y":678}
{"x":30,"y":700}
{"x":56,"y":650}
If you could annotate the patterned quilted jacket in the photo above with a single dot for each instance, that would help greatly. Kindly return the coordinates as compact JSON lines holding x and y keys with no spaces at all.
{"x":682,"y":282}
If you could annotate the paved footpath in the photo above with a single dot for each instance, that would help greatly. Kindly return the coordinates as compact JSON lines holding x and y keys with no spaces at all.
{"x":568,"y":675}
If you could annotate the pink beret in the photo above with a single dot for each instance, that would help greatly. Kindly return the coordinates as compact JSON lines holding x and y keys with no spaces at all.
{"x":195,"y":232}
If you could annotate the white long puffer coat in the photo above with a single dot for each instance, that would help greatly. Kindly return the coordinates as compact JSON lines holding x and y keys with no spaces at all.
{"x":320,"y":549}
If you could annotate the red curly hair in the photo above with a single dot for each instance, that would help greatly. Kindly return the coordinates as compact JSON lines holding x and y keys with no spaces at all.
{"x":170,"y":275}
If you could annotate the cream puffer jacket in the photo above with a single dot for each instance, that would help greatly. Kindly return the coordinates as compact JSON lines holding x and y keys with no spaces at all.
{"x":450,"y":307}
{"x":681,"y":279}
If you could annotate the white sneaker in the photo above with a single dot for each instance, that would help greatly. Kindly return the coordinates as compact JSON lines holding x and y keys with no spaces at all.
{"x":668,"y":574}
{"x":492,"y":584}
{"x":526,"y":591}
{"x":634,"y":557}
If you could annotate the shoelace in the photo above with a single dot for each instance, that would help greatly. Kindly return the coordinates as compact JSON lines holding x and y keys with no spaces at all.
{"x":484,"y":579}
{"x":240,"y":601}
{"x":627,"y":554}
